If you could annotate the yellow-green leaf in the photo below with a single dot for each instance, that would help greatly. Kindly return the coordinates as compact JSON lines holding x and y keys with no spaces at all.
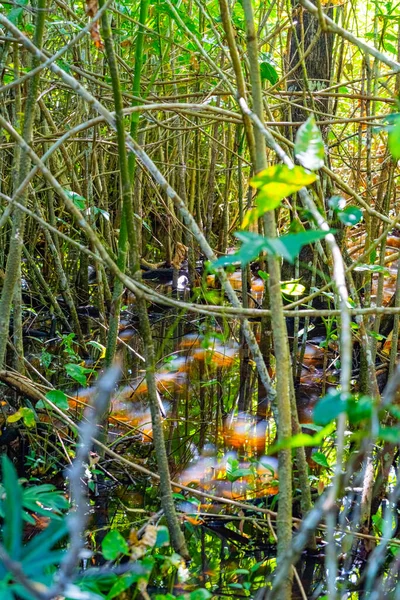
{"x":292,"y":288}
{"x":294,"y":178}
{"x":275,"y":184}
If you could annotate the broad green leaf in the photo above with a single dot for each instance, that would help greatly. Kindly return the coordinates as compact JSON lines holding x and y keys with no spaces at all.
{"x":351,"y":215}
{"x":64,"y":66}
{"x":287,"y":246}
{"x":77,"y":372}
{"x":359,"y":409}
{"x":79,"y":201}
{"x":389,"y":434}
{"x":58,"y":398}
{"x":15,"y":14}
{"x":274,"y":184}
{"x":377,"y":336}
{"x":113,"y":545}
{"x":294,"y":179}
{"x":28,"y":416}
{"x":268,"y":68}
{"x":237,"y":474}
{"x":44,"y":500}
{"x":309,"y":146}
{"x":123,"y":583}
{"x":269,"y":73}
{"x":303,"y":439}
{"x":390,"y":48}
{"x":12,"y":510}
{"x":394,"y":139}
{"x":162,"y":537}
{"x":320,"y":459}
{"x":246,"y":253}
{"x":330,"y":407}
{"x":200,"y":594}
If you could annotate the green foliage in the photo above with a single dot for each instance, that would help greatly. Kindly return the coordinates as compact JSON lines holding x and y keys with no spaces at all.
{"x":79,"y":201}
{"x":234,"y":471}
{"x":287,"y":246}
{"x":58,"y":398}
{"x":78,"y":373}
{"x":330,"y":407}
{"x":113,"y":545}
{"x":320,"y":458}
{"x":348,"y":215}
{"x":40,"y":557}
{"x":268,"y":68}
{"x":274,"y":184}
{"x":15,"y":14}
{"x":394,"y":135}
{"x":26,"y":414}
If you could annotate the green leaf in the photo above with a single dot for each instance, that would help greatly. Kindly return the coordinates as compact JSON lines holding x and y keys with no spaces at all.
{"x":359,"y":409}
{"x":303,"y":439}
{"x":389,"y":434}
{"x":287,"y":246}
{"x":372,"y":269}
{"x":28,"y":416}
{"x":309,"y":146}
{"x":58,"y":398}
{"x":113,"y":545}
{"x":77,"y":372}
{"x":15,"y":14}
{"x":237,"y":474}
{"x":267,"y":68}
{"x":100,"y":211}
{"x":247,"y":252}
{"x":64,"y":66}
{"x":200,"y":594}
{"x":12,"y":509}
{"x":40,"y":545}
{"x":330,"y":407}
{"x":17,"y":416}
{"x":292,"y":288}
{"x":5,"y":593}
{"x":394,"y":139}
{"x":123,"y":583}
{"x":377,"y":336}
{"x":337,"y":203}
{"x":98,"y":347}
{"x":275,"y":183}
{"x":162,"y":537}
{"x":79,"y":201}
{"x":390,"y":48}
{"x":44,"y":500}
{"x":320,"y":459}
{"x":351,"y":215}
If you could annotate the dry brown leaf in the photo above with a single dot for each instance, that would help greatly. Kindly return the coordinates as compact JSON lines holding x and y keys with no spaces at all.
{"x":91,"y":7}
{"x":95,"y":35}
{"x":180,"y":255}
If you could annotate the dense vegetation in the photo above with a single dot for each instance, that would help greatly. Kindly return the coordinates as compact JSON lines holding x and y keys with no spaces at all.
{"x":199,"y":308}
